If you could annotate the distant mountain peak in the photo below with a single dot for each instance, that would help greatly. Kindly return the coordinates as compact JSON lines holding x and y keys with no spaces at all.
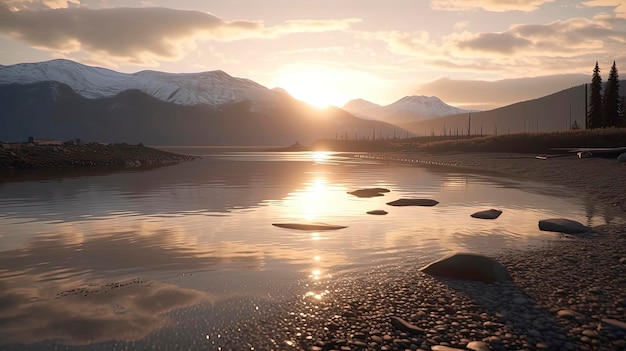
{"x":408,"y":109}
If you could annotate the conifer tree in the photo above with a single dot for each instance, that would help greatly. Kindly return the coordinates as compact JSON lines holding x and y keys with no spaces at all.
{"x":611,"y":103}
{"x":594,"y":114}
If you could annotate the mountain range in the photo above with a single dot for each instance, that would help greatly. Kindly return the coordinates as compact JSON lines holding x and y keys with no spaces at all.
{"x":406,"y":110}
{"x":64,"y":100}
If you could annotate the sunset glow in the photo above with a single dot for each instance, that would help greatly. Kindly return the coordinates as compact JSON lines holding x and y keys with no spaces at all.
{"x":326,"y":53}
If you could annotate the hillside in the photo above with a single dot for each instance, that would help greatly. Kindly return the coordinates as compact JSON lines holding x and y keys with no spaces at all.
{"x":552,"y":113}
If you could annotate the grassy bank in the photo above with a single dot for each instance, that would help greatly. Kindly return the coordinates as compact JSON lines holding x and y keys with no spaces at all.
{"x":530,"y":143}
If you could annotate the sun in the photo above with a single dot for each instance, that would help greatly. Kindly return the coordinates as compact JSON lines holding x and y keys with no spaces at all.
{"x":319,"y":85}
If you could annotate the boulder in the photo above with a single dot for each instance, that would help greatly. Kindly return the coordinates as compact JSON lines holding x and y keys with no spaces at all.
{"x":487,"y":214}
{"x":413,"y":202}
{"x":622,"y":157}
{"x":369,"y":192}
{"x":377,"y":212}
{"x":468,"y":266}
{"x":308,"y":226}
{"x":562,"y":225}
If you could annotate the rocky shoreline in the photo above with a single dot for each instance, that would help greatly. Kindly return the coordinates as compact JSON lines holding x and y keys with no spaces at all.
{"x":567,"y":295}
{"x":55,"y":156}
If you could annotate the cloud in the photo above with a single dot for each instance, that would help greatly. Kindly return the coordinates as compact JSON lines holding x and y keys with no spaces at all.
{"x":566,"y":46}
{"x":488,"y":5}
{"x":18,"y":5}
{"x":139,"y":35}
{"x":618,"y":9}
{"x":506,"y":43}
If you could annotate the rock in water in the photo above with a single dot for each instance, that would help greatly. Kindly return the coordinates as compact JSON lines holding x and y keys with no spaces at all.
{"x":377,"y":212}
{"x":413,"y":202}
{"x":562,"y":225}
{"x":487,"y":214}
{"x":369,"y":192}
{"x":308,"y":226}
{"x":468,"y":266}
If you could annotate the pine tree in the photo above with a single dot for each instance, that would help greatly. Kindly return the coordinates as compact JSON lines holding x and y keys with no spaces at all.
{"x":611,"y":99}
{"x":594,"y":114}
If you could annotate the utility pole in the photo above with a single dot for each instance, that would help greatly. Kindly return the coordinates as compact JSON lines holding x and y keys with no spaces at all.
{"x":469,"y":125}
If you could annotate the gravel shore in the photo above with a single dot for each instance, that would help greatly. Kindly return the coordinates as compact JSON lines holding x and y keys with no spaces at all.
{"x":567,"y":295}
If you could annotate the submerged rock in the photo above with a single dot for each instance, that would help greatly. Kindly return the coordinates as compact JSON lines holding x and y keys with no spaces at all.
{"x":413,"y":202}
{"x":369,"y":192}
{"x":562,"y":225}
{"x":309,"y":226}
{"x":487,"y":214}
{"x":468,"y":266}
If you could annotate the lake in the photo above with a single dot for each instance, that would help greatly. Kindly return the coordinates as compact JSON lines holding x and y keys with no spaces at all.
{"x":179,"y":255}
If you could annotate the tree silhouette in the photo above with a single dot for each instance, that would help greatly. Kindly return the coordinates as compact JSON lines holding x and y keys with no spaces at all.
{"x":611,"y":100}
{"x":594,"y":114}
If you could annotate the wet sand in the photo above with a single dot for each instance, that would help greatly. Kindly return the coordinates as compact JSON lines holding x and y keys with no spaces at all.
{"x":563,"y":296}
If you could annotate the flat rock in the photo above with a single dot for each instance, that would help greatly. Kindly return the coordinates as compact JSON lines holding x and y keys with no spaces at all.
{"x":369,"y":192}
{"x":468,"y":266}
{"x":563,"y":225}
{"x":445,"y":348}
{"x":477,"y":346}
{"x":377,"y":212}
{"x":608,"y":324}
{"x":309,"y":226}
{"x":487,"y":214}
{"x":405,"y":326}
{"x":569,"y":314}
{"x":413,"y":202}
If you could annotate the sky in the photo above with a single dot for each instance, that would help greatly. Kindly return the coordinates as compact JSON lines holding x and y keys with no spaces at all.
{"x":471,"y":54}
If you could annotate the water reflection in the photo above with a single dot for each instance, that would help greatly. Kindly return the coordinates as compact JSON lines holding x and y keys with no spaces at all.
{"x":199,"y":235}
{"x":126,"y":310}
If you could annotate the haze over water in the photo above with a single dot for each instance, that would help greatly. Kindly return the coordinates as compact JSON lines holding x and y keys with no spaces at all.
{"x":125,"y":255}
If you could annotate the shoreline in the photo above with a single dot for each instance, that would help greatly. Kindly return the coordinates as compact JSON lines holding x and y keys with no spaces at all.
{"x":560,"y":297}
{"x":598,"y":179}
{"x":92,"y":155}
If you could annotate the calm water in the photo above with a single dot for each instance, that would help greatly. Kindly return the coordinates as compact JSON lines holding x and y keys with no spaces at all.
{"x":88,"y":260}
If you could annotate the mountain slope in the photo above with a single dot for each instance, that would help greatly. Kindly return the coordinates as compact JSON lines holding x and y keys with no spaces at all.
{"x":550,"y":113}
{"x":408,"y":109}
{"x":52,"y":110}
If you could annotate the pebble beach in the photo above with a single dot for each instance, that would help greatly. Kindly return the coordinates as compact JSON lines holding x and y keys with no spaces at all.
{"x":569,"y":294}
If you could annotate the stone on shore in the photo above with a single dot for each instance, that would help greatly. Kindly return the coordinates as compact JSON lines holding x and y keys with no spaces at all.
{"x":405,"y":326}
{"x":308,"y":226}
{"x":477,"y":346}
{"x":487,"y":214}
{"x":369,"y":192}
{"x":468,"y":266}
{"x":445,"y":348}
{"x":562,"y":225}
{"x":608,"y":324}
{"x":413,"y":202}
{"x":377,"y":212}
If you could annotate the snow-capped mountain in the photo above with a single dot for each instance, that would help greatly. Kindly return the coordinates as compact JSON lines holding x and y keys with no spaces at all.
{"x":211,"y":88}
{"x":64,"y":100}
{"x":408,"y":109}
